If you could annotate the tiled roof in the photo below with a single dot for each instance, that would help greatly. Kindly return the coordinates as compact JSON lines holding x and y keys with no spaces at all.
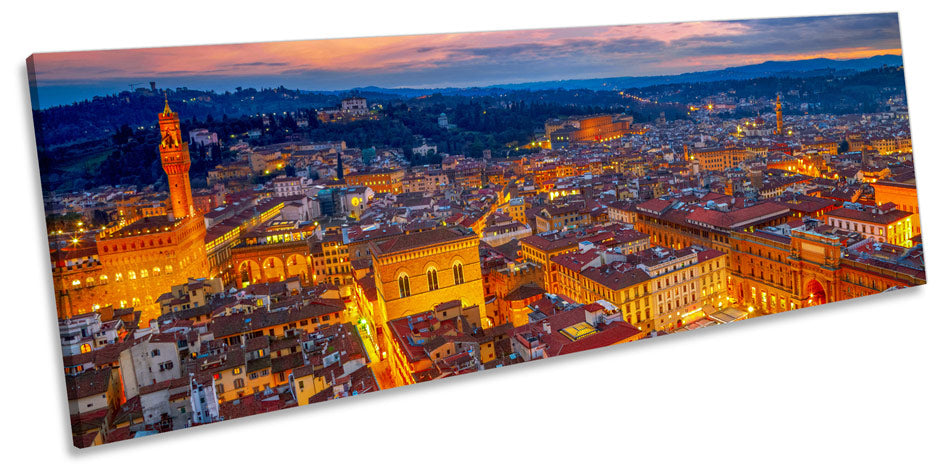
{"x":89,"y":383}
{"x":416,"y":240}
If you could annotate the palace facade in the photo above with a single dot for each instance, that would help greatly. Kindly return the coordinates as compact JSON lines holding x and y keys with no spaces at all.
{"x":416,"y":271}
{"x":132,"y":264}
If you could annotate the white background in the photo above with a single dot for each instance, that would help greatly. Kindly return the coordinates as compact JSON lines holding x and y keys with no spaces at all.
{"x":854,"y":385}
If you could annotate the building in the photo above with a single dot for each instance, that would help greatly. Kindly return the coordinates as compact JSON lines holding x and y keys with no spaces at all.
{"x":355,"y":106}
{"x":276,"y":251}
{"x":425,"y":148}
{"x":416,"y":271}
{"x":380,"y":181}
{"x":720,"y":158}
{"x":433,"y":344}
{"x":501,"y":233}
{"x":191,"y":295}
{"x":355,"y":200}
{"x":596,"y":128}
{"x":539,"y":249}
{"x":135,"y":262}
{"x":285,"y":186}
{"x":150,"y":359}
{"x":781,"y":268}
{"x":562,"y":217}
{"x":891,"y":145}
{"x":655,"y":290}
{"x":331,"y":260}
{"x":674,"y":224}
{"x":902,"y":195}
{"x":84,"y":333}
{"x":591,"y":326}
{"x":203,"y":137}
{"x":885,"y":223}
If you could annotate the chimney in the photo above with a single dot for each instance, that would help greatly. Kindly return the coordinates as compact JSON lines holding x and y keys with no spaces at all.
{"x":546,"y":325}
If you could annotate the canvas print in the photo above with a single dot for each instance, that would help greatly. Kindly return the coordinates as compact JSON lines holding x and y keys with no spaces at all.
{"x":238,"y":229}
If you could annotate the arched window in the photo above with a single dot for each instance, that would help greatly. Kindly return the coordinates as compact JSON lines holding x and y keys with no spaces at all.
{"x":457,"y":273}
{"x":131,"y":275}
{"x":404,"y":286}
{"x":433,"y":277}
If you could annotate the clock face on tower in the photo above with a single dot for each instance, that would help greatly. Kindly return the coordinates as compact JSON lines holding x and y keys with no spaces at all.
{"x":170,"y":138}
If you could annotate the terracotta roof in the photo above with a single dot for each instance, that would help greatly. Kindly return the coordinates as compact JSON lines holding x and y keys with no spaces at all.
{"x":89,"y":383}
{"x":525,"y":291}
{"x":416,"y":240}
{"x":875,"y":217}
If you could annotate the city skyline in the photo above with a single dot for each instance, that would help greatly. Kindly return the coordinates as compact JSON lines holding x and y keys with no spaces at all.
{"x":469,"y":59}
{"x":215,"y":256}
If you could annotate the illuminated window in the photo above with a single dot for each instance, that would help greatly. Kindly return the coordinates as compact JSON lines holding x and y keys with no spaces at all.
{"x":118,"y":276}
{"x":85,"y":348}
{"x":131,"y":275}
{"x":156,"y":271}
{"x":433,"y":277}
{"x":143,"y":273}
{"x":404,"y":286}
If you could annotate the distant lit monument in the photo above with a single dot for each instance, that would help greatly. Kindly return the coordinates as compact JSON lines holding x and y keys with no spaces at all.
{"x":778,"y":114}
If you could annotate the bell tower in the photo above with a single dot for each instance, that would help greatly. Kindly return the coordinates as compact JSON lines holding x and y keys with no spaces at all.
{"x":176,"y":162}
{"x":778,"y":114}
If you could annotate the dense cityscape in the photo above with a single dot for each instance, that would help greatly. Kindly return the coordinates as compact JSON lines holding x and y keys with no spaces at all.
{"x":290,"y":271}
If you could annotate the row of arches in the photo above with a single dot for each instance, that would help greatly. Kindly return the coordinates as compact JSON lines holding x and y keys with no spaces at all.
{"x":273,"y":269}
{"x":814,"y":291}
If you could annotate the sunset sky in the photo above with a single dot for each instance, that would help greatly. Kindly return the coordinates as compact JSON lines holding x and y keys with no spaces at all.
{"x":468,"y":59}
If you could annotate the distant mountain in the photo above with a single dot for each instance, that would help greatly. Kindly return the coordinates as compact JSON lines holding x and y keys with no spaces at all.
{"x":791,"y":68}
{"x":371,"y":91}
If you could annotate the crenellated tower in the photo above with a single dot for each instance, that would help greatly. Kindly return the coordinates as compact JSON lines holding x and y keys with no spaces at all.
{"x":176,"y":162}
{"x":778,"y":114}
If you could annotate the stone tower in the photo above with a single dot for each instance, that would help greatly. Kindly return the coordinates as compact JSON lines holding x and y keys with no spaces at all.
{"x":176,"y":162}
{"x":778,"y":115}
